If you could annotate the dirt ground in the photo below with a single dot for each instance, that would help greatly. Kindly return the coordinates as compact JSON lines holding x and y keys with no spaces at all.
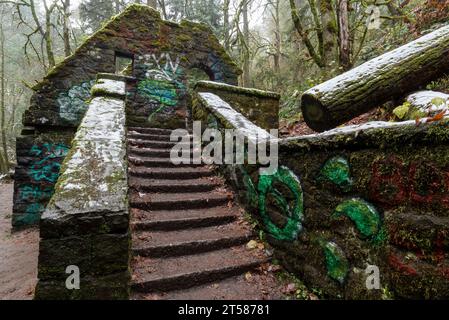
{"x":18,"y":253}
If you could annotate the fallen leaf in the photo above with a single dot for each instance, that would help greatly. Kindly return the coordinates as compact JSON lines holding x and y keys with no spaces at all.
{"x":252,"y":244}
{"x":437,"y":117}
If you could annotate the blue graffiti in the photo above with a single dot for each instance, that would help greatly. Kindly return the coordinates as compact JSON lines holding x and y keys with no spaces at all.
{"x":216,"y":66}
{"x":46,"y":168}
{"x":34,"y":193}
{"x":72,"y":103}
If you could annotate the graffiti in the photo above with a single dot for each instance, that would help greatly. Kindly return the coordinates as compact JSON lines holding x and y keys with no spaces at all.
{"x":337,"y":171}
{"x":336,"y":262}
{"x":46,"y":168}
{"x":163,"y":81}
{"x":395,"y":262}
{"x":163,"y":92}
{"x":157,"y":69}
{"x":216,"y":67}
{"x":43,"y":170}
{"x":72,"y":104}
{"x":294,"y":213}
{"x":363,"y":214}
{"x":34,"y":193}
{"x":252,"y":197}
{"x":419,"y":183}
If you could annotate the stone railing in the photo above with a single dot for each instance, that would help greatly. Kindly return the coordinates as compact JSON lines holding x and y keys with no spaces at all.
{"x":350,"y":202}
{"x":85,"y":225}
{"x":260,"y":107}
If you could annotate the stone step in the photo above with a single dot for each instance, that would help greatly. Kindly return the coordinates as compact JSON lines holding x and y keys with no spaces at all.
{"x":181,"y":219}
{"x":174,"y":201}
{"x":159,"y":244}
{"x":150,"y":130}
{"x":154,"y":143}
{"x":170,"y":173}
{"x":260,"y":287}
{"x":171,"y":186}
{"x":183,"y":272}
{"x":160,"y":162}
{"x":149,"y":152}
{"x":147,"y":136}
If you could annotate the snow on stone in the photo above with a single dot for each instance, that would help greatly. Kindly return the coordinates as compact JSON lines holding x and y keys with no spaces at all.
{"x":95,"y":168}
{"x":111,"y":86}
{"x":223,"y":110}
{"x":424,"y":101}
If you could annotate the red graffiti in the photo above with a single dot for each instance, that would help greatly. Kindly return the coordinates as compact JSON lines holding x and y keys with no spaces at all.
{"x":400,"y":266}
{"x":419,"y":183}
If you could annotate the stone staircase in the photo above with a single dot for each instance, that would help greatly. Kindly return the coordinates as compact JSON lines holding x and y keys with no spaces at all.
{"x":188,"y":236}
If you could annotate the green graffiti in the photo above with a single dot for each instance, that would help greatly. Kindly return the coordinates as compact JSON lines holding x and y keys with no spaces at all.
{"x":162,"y":91}
{"x":212,"y":122}
{"x":44,"y":169}
{"x":337,"y":171}
{"x":32,"y":215}
{"x":252,"y":197}
{"x":34,"y":193}
{"x":72,"y":103}
{"x":294,"y":214}
{"x":336,"y":263}
{"x":47,"y":168}
{"x":363,"y":214}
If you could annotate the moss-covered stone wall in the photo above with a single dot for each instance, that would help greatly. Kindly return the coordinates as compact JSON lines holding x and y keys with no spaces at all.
{"x":354,"y":199}
{"x":162,"y":54}
{"x":261,"y":107}
{"x":86,"y":225}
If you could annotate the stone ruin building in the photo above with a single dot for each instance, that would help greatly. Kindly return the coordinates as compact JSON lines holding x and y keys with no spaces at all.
{"x":94,"y":172}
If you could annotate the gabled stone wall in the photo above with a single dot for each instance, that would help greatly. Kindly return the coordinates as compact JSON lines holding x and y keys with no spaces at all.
{"x":162,"y":53}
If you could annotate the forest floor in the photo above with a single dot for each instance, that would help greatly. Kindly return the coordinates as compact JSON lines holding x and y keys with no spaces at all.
{"x":300,"y":128}
{"x":18,"y":253}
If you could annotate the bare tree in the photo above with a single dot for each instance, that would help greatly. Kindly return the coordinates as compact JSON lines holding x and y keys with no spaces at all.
{"x":65,"y":12}
{"x":343,"y":34}
{"x":4,"y":158}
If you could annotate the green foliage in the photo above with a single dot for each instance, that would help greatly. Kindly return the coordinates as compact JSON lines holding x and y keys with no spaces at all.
{"x":441,"y":84}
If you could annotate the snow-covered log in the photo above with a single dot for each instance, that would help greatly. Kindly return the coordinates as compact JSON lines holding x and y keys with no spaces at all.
{"x":389,"y":76}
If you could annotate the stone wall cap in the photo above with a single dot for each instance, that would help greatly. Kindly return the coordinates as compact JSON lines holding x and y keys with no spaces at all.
{"x":201,"y":85}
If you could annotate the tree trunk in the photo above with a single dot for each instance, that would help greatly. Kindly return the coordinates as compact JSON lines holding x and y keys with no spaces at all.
{"x":152,"y":3}
{"x":343,"y":35}
{"x":328,"y":24}
{"x":5,"y":158}
{"x":387,"y":77}
{"x":47,"y":35}
{"x":245,"y":75}
{"x":65,"y":27}
{"x":277,"y":40}
{"x":163,"y":9}
{"x":226,"y":24}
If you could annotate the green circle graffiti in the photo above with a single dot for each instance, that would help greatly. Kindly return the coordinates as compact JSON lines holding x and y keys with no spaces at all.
{"x":294,"y":214}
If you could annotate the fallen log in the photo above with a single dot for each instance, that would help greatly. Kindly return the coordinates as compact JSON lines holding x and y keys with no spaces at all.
{"x":382,"y":79}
